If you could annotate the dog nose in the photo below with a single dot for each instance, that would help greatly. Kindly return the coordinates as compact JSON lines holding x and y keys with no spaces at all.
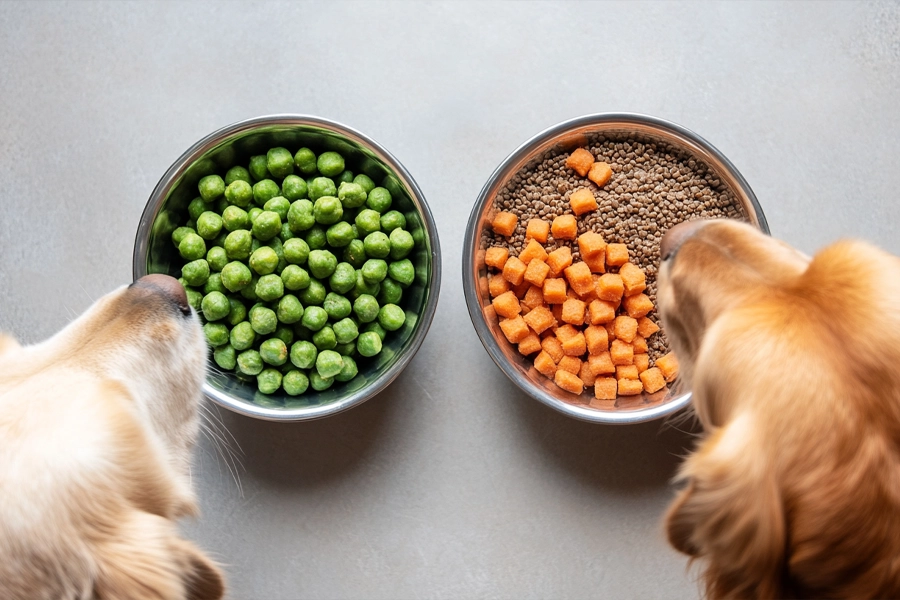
{"x":677,"y":235}
{"x":169,"y":287}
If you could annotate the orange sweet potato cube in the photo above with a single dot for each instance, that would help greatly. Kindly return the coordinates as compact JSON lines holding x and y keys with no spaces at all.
{"x":507,"y":305}
{"x":668,"y":366}
{"x":531,"y":251}
{"x":568,"y":381}
{"x":496,"y":257}
{"x":582,"y":201}
{"x":540,"y":319}
{"x":521,"y":289}
{"x":556,"y":309}
{"x":559,"y":259}
{"x":554,"y":290}
{"x":591,"y":244}
{"x":537,"y":229}
{"x":575,"y":345}
{"x":545,"y":365}
{"x":530,"y":344}
{"x":646,"y":327}
{"x":596,"y":338}
{"x":626,"y":372}
{"x":497,"y":285}
{"x":637,"y":306}
{"x":514,"y":270}
{"x":564,"y":227}
{"x":626,"y":328}
{"x":642,"y":362}
{"x":621,"y":353}
{"x":605,"y":388}
{"x":610,"y":287}
{"x":601,"y":364}
{"x":553,"y":347}
{"x":572,"y":364}
{"x":640,"y":345}
{"x":534,"y":297}
{"x":600,"y":173}
{"x":579,"y":277}
{"x":630,"y":387}
{"x":585,"y":374}
{"x":611,"y":330}
{"x":602,"y":312}
{"x":597,"y":262}
{"x":504,"y":223}
{"x":564,"y":332}
{"x":514,"y":329}
{"x":653,"y":380}
{"x":633,"y":279}
{"x":536,"y":272}
{"x":616,"y":255}
{"x":580,"y":161}
{"x":573,"y":311}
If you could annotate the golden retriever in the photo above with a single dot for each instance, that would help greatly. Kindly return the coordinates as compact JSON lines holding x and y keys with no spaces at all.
{"x":794,"y":365}
{"x":96,"y":430}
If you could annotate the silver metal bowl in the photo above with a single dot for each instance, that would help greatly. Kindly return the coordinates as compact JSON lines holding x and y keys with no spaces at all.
{"x":563,"y":138}
{"x":234,"y":144}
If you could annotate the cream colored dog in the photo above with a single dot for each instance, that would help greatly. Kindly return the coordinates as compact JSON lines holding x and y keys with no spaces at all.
{"x":96,"y":430}
{"x":794,"y":365}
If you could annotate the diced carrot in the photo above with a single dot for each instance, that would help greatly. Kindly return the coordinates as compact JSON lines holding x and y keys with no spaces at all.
{"x":496,"y":257}
{"x":630,"y":387}
{"x":640,"y":345}
{"x":601,"y":312}
{"x":626,"y":328}
{"x":564,"y":227}
{"x":556,"y":309}
{"x":497,"y":285}
{"x":559,"y":259}
{"x":596,"y":338}
{"x":504,"y":223}
{"x":514,"y":270}
{"x":611,"y":330}
{"x":534,"y":297}
{"x":633,"y":279}
{"x":621,"y":353}
{"x":568,"y":381}
{"x":537,"y":229}
{"x":573,"y":311}
{"x":530,"y":344}
{"x":554,"y":290}
{"x":514,"y":329}
{"x":637,"y":306}
{"x":668,"y":366}
{"x":605,"y":388}
{"x":585,"y":374}
{"x":532,"y":250}
{"x":601,"y":364}
{"x":646,"y":327}
{"x":575,"y":345}
{"x":591,"y":244}
{"x":553,"y":347}
{"x":616,"y":254}
{"x":610,"y":287}
{"x":536,"y":272}
{"x":642,"y":362}
{"x":565,"y":332}
{"x":507,"y":305}
{"x":653,"y":380}
{"x":600,"y":173}
{"x":540,"y":319}
{"x":597,"y":262}
{"x":579,"y":277}
{"x":545,"y":365}
{"x":580,"y":161}
{"x":572,"y":364}
{"x":626,"y":372}
{"x":582,"y":201}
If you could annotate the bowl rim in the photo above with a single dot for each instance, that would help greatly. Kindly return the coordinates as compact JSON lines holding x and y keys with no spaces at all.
{"x":209,"y":142}
{"x":471,"y":239}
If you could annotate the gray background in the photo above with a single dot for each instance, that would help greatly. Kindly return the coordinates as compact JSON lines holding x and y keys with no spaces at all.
{"x":451,"y":484}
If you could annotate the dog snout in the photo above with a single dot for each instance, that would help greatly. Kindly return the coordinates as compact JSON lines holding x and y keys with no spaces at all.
{"x":677,"y":235}
{"x":166,"y":286}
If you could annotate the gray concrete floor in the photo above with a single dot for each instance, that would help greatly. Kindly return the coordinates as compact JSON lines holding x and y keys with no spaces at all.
{"x":451,"y":484}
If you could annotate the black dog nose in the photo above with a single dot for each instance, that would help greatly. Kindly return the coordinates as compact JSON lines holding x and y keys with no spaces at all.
{"x":167,"y":286}
{"x":677,"y":235}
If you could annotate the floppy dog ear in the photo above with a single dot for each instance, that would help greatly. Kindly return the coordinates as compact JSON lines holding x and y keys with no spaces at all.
{"x":142,"y":557}
{"x":730,"y":514}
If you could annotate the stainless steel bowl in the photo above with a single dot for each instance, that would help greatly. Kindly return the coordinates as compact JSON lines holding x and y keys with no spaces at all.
{"x":563,"y":138}
{"x":234,"y":144}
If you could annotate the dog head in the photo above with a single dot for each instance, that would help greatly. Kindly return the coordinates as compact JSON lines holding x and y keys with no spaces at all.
{"x":792,"y":362}
{"x":97,"y":425}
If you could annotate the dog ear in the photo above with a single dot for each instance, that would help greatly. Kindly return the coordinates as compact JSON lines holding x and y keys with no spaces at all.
{"x":141,"y":557}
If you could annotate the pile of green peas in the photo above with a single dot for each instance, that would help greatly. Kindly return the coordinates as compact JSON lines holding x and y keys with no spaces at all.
{"x":296,"y":266}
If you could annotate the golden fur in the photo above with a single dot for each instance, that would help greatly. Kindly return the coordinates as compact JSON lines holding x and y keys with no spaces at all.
{"x":794,"y":489}
{"x":96,"y":430}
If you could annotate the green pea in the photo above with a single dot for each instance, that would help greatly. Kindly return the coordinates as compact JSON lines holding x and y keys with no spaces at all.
{"x":392,"y":220}
{"x":278,"y":205}
{"x":368,"y":343}
{"x":196,"y":272}
{"x":327,"y":210}
{"x":391,"y":317}
{"x":225,"y":357}
{"x":249,"y":292}
{"x":242,"y":336}
{"x":217,"y":258}
{"x":219,"y":205}
{"x":263,"y":320}
{"x":219,"y":242}
{"x":216,"y":334}
{"x":253,"y":213}
{"x":329,"y":363}
{"x":345,"y":176}
{"x":269,"y":287}
{"x":313,"y":294}
{"x":374,"y":270}
{"x":279,"y":162}
{"x":303,"y":354}
{"x":391,"y":292}
{"x":268,"y":381}
{"x":402,"y":271}
{"x":273,"y":351}
{"x":237,"y":312}
{"x":196,"y":208}
{"x":294,"y":383}
{"x":322,"y":263}
{"x":235,"y":276}
{"x":365,"y":182}
{"x":265,"y":190}
{"x":289,"y":309}
{"x":319,"y":187}
{"x":211,"y":187}
{"x":238,"y":244}
{"x":345,"y":330}
{"x":300,"y":215}
{"x":249,"y":362}
{"x":305,"y":161}
{"x":301,"y":332}
{"x":364,"y":287}
{"x":215,"y":306}
{"x":267,"y":225}
{"x":296,"y":251}
{"x":343,"y":279}
{"x":319,"y":383}
{"x":295,"y":278}
{"x":401,"y":243}
{"x":351,"y":195}
{"x":179,"y":234}
{"x":316,"y":238}
{"x":314,"y":318}
{"x":349,"y":369}
{"x":324,"y":339}
{"x":237,"y":173}
{"x":366,"y":308}
{"x":234,"y":218}
{"x":257,"y":167}
{"x":368,"y":221}
{"x":192,"y":247}
{"x":376,"y":327}
{"x":377,"y":245}
{"x":264,"y":260}
{"x":330,"y":163}
{"x":194,"y":298}
{"x":347,"y":349}
{"x":355,"y":253}
{"x":239,"y":193}
{"x":286,"y":233}
{"x":336,"y":306}
{"x":209,"y":225}
{"x":285,"y":334}
{"x":339,"y":235}
{"x":294,"y":188}
{"x":214,"y":283}
{"x":379,"y":200}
